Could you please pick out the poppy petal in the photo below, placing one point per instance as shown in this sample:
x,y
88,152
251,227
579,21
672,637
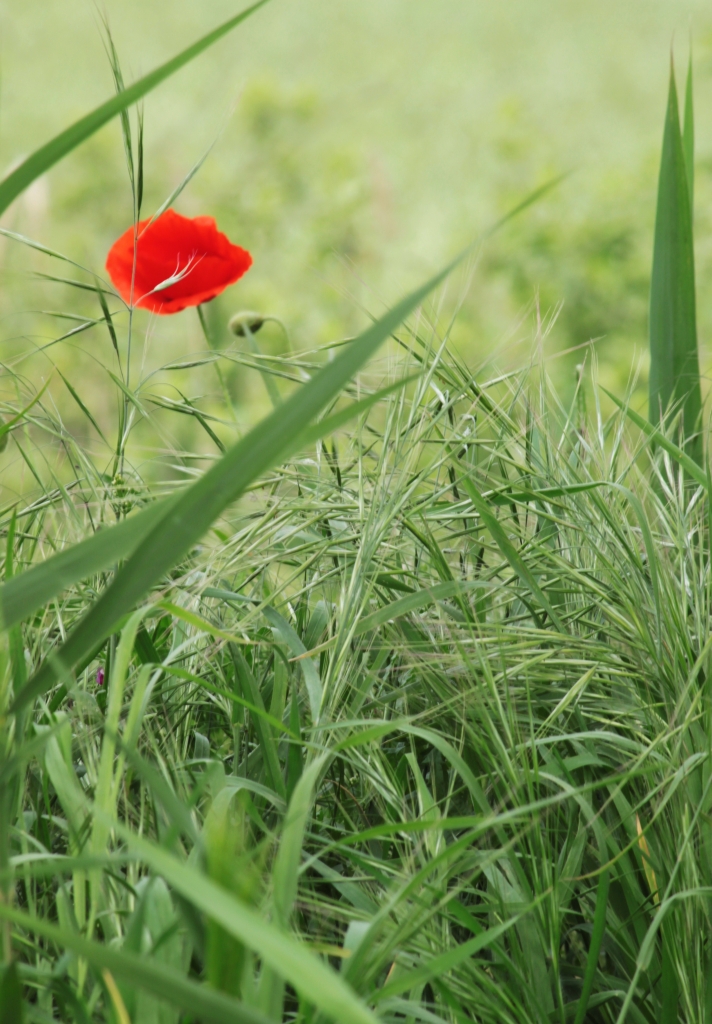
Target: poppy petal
x,y
174,262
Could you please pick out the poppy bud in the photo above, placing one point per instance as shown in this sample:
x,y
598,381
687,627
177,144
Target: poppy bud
x,y
247,322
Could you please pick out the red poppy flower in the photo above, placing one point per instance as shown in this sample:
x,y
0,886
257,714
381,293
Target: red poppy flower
x,y
180,261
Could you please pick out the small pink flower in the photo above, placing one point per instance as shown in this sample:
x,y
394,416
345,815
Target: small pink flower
x,y
100,677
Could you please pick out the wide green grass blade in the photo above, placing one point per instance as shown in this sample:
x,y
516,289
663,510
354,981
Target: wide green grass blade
x,y
11,1003
674,365
594,949
688,140
24,594
285,874
46,156
141,971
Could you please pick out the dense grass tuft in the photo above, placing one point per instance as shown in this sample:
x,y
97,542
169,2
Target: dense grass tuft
x,y
431,703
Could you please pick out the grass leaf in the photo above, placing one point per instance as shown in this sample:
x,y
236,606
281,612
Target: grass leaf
x,y
674,365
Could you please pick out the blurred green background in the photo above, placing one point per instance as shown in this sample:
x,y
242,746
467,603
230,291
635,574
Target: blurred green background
x,y
360,145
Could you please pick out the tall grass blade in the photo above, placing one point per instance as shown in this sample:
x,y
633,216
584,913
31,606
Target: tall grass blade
x,y
674,365
11,1003
661,441
594,949
509,551
688,140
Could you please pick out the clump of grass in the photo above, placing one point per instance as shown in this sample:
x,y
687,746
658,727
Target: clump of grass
x,y
416,730
423,721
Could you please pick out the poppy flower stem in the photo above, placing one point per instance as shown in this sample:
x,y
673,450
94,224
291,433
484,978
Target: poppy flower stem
x,y
218,369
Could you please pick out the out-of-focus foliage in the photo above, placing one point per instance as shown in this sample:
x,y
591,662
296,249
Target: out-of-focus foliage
x,y
358,146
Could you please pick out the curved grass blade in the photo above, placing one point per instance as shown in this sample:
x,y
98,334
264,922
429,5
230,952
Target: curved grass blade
x,y
688,140
509,551
58,147
7,426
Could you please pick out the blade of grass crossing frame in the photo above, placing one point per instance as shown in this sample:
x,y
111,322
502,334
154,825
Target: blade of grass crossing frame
x,y
670,993
313,979
11,1002
58,147
674,365
191,512
285,875
24,594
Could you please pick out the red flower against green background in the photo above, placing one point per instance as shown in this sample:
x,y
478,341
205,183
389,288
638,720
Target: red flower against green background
x,y
180,261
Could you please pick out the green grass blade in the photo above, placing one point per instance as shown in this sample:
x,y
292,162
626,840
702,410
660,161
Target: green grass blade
x,y
674,365
11,1003
141,971
287,862
46,156
688,140
509,551
24,594
337,420
290,637
415,602
440,965
594,949
251,692
670,994
7,426
661,441
21,596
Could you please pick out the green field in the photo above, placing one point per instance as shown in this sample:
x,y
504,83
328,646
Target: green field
x,y
357,669
363,144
